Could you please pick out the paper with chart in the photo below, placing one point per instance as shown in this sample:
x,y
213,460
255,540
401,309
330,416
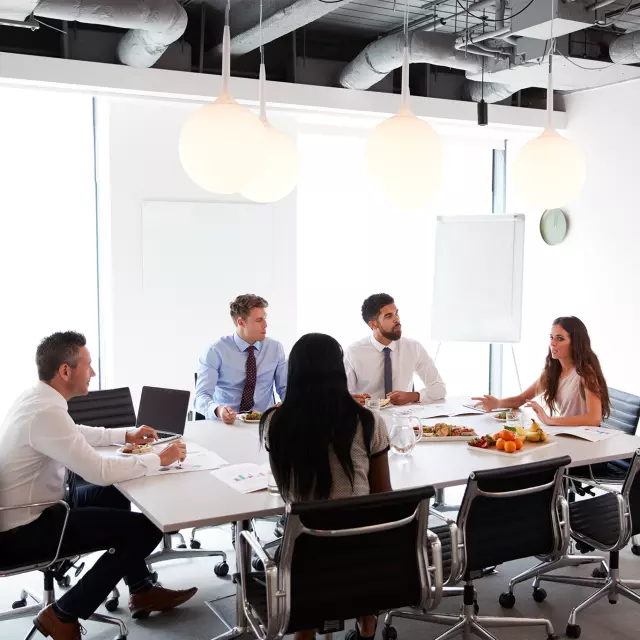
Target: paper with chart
x,y
245,477
198,459
592,434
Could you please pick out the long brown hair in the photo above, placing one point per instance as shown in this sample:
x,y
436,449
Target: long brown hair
x,y
586,363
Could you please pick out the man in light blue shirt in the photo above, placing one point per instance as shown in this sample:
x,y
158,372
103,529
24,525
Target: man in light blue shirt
x,y
238,373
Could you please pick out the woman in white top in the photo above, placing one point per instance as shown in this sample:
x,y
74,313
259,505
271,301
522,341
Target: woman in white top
x,y
572,385
321,442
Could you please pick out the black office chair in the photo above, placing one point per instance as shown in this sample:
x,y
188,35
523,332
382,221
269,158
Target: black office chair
x,y
606,522
113,408
10,565
506,514
625,416
301,589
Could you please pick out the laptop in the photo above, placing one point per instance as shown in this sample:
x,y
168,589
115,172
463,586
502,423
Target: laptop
x,y
165,410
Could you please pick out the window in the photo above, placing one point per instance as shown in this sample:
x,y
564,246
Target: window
x,y
47,229
352,244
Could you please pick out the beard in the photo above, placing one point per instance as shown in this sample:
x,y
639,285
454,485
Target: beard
x,y
392,335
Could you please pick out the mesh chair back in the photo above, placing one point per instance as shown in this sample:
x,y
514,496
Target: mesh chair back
x,y
519,518
338,578
197,416
625,412
106,408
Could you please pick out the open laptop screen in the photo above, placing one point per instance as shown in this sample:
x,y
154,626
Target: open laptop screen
x,y
163,409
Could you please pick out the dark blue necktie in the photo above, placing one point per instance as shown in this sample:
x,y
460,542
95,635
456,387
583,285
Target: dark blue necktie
x,y
388,380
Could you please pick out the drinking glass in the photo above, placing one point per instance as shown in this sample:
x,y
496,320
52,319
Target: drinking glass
x,y
513,418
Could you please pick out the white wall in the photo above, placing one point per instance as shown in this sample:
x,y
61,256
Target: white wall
x,y
594,273
138,161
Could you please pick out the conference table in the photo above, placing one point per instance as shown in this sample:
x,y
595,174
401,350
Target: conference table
x,y
197,499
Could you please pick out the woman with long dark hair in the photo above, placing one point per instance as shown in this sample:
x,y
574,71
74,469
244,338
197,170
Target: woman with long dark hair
x,y
321,442
571,384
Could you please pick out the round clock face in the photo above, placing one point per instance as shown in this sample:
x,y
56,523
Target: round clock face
x,y
553,226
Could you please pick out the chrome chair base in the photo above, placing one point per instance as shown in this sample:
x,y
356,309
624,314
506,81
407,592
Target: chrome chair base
x,y
48,598
468,623
610,587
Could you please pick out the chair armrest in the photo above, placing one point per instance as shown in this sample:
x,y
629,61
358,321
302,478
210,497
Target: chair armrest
x,y
437,587
593,483
436,514
252,541
456,547
63,504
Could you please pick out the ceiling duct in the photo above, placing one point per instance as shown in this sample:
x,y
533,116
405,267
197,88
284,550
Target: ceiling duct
x,y
153,24
381,57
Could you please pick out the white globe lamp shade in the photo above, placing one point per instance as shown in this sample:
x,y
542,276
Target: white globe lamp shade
x,y
405,157
549,171
280,169
221,146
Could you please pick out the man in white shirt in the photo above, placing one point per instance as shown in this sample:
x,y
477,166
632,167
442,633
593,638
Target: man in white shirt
x,y
39,441
383,364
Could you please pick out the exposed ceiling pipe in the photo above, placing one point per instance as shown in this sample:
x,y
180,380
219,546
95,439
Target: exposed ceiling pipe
x,y
626,48
294,16
464,41
153,24
492,92
381,57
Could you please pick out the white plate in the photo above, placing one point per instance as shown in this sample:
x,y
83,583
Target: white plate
x,y
495,417
127,453
448,438
243,417
532,448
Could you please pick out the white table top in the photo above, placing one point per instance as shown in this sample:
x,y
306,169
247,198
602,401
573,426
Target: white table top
x,y
196,499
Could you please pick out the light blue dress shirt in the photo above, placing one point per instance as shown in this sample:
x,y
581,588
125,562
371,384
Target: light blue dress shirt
x,y
222,374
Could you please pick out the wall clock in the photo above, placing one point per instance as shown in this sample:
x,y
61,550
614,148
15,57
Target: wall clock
x,y
553,226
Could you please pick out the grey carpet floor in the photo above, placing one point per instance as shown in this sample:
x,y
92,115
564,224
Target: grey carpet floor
x,y
194,621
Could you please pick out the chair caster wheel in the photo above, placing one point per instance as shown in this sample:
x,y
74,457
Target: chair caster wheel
x,y
507,600
195,544
112,604
64,582
181,546
613,602
635,549
573,631
19,604
221,569
154,577
257,564
599,572
389,633
539,595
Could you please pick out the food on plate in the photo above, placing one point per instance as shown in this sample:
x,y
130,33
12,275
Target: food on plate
x,y
253,415
507,440
510,446
137,449
442,429
384,402
502,415
483,442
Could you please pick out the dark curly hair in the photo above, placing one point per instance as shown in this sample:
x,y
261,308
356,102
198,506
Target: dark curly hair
x,y
372,305
242,305
58,349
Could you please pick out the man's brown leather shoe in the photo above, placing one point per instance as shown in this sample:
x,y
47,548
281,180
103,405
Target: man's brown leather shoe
x,y
158,599
48,624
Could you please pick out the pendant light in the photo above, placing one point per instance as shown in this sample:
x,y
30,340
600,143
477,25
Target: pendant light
x,y
280,168
404,155
549,171
221,143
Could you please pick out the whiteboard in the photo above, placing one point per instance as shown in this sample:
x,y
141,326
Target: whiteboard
x,y
196,258
477,291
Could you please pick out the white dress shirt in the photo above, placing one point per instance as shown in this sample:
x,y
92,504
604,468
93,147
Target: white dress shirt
x,y
39,441
364,363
